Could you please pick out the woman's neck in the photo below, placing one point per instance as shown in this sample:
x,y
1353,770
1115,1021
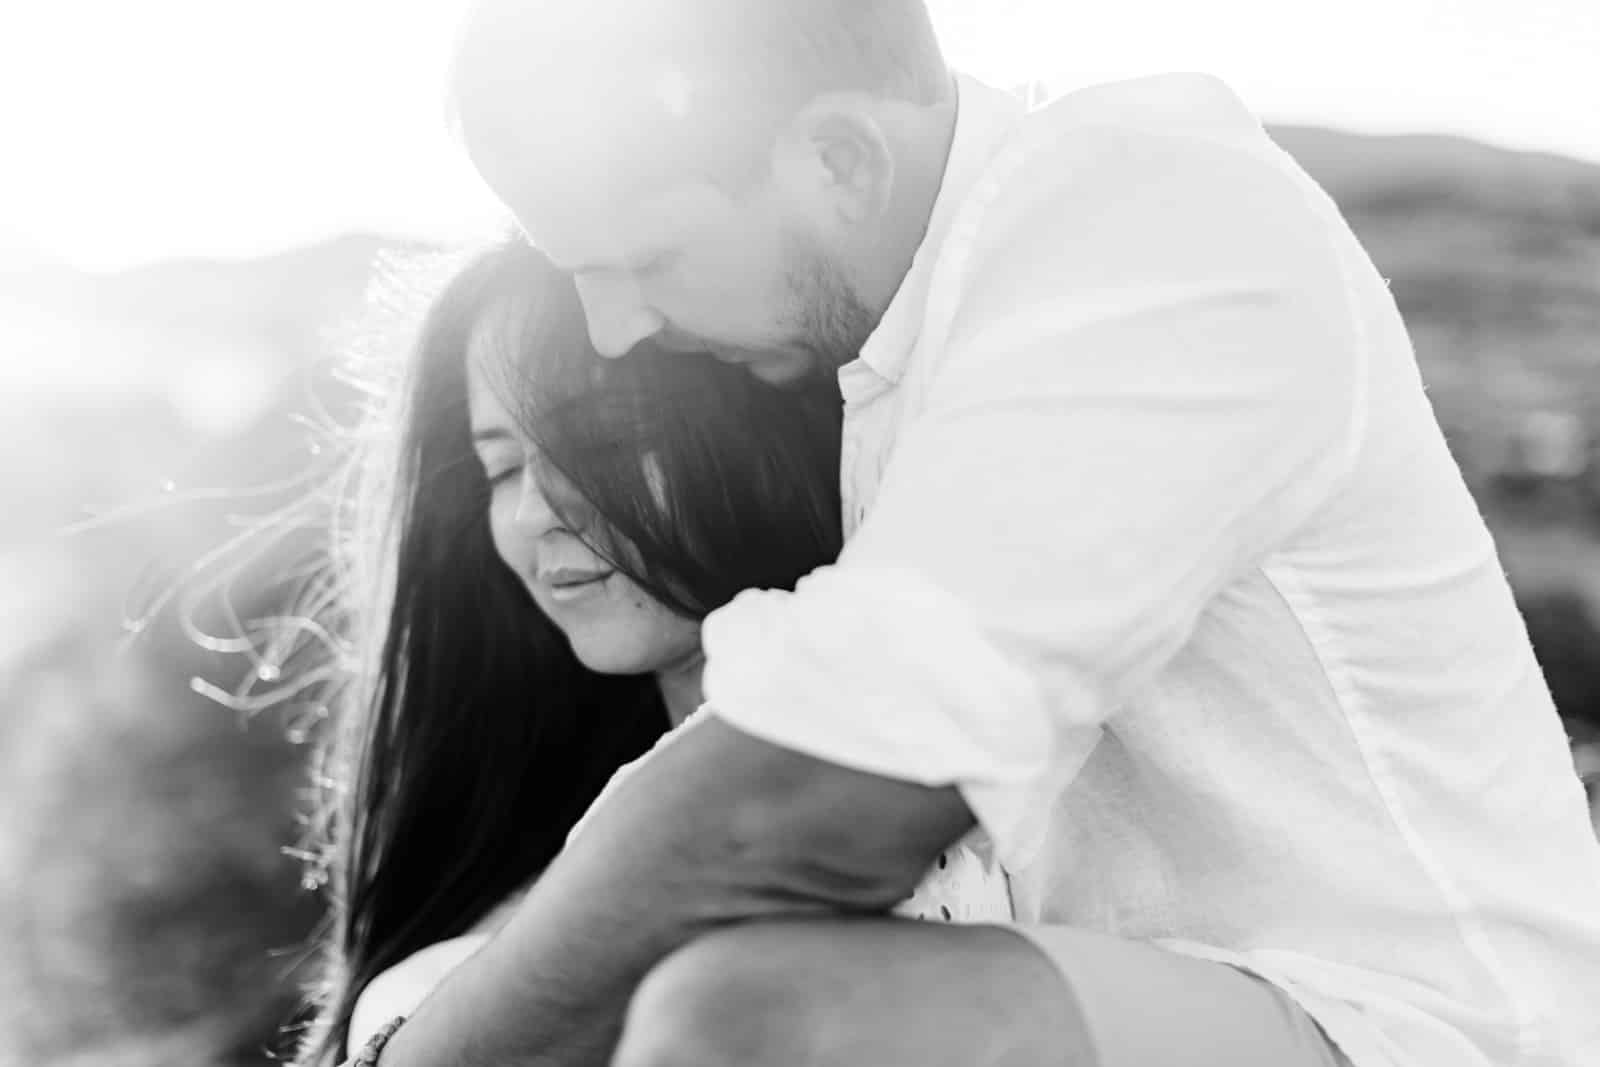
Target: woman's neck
x,y
680,687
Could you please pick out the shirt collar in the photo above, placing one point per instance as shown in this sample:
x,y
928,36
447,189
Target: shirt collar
x,y
985,117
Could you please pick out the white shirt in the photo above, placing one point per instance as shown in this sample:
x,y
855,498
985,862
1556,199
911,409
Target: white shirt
x,y
1157,552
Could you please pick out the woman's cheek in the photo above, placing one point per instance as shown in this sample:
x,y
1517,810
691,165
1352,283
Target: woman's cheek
x,y
502,531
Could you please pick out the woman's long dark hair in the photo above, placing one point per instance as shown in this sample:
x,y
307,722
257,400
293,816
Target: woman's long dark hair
x,y
463,755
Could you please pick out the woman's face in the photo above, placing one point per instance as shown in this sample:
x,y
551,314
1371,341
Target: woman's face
x,y
614,627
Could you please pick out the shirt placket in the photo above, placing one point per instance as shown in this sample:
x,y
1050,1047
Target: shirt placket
x,y
862,439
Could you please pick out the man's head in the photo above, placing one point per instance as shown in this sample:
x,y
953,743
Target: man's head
x,y
749,176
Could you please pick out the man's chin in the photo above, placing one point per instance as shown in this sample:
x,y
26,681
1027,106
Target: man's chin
x,y
785,367
782,372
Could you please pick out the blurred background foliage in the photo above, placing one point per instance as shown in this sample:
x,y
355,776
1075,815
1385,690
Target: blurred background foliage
x,y
149,911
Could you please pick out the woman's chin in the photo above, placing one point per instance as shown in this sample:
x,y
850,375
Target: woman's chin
x,y
623,631
606,658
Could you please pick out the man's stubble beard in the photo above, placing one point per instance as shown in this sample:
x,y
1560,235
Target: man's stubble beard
x,y
831,321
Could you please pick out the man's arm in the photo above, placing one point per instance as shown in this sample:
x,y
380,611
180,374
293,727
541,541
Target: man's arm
x,y
1152,380
713,828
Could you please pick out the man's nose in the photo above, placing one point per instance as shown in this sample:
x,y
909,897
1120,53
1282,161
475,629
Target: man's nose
x,y
617,315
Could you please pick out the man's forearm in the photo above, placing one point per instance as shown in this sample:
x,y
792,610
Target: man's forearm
x,y
714,828
552,986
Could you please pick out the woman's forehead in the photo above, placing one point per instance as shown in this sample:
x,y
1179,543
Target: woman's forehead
x,y
486,376
506,341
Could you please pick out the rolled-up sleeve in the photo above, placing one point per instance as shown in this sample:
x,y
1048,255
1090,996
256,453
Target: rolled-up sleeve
x,y
1152,381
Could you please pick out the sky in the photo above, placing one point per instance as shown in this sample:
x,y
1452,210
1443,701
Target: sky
x,y
136,131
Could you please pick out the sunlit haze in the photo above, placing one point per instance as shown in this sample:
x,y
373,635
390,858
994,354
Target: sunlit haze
x,y
137,131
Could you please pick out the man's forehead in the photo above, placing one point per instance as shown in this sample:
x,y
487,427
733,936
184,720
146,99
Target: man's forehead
x,y
604,169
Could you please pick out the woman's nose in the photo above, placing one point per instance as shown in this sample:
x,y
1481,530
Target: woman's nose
x,y
533,515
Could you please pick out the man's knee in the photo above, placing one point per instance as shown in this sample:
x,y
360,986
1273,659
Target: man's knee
x,y
718,1003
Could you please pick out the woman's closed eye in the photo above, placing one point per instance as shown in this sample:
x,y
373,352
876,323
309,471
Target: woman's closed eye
x,y
501,464
499,454
499,474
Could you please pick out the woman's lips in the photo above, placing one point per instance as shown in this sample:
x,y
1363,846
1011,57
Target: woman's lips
x,y
565,586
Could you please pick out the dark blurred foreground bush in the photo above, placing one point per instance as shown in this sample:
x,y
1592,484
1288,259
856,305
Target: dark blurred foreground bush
x,y
1566,639
150,913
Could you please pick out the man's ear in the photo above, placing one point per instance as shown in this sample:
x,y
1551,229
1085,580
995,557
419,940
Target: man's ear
x,y
837,153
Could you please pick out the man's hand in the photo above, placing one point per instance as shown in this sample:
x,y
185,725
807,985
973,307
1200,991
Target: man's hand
x,y
712,828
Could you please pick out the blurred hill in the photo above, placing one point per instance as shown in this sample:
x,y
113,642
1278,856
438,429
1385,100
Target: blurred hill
x,y
146,911
1494,258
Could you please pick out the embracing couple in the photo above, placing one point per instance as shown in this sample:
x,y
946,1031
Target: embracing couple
x,y
1118,674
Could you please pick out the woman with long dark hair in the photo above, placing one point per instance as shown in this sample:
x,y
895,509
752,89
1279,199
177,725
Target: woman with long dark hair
x,y
550,529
